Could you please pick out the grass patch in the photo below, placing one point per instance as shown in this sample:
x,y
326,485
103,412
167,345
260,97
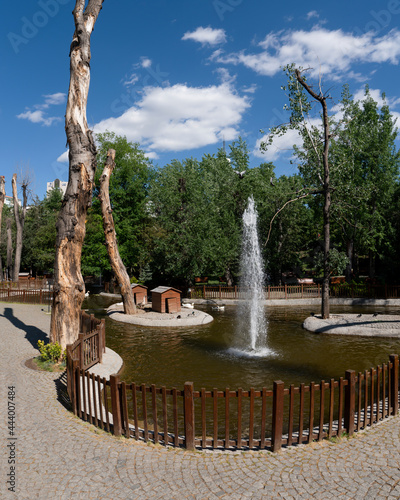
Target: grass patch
x,y
48,365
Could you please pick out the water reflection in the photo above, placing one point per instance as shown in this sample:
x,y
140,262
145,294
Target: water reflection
x,y
204,355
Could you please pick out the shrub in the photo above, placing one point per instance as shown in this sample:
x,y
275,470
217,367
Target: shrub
x,y
50,352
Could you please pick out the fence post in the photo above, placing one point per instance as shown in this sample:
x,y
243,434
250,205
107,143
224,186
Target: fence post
x,y
350,401
75,385
189,415
204,291
220,292
277,415
115,405
235,291
69,370
394,387
81,351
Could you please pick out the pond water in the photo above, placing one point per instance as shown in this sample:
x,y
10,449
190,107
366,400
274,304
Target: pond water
x,y
203,354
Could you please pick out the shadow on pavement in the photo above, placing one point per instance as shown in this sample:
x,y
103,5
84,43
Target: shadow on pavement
x,y
32,333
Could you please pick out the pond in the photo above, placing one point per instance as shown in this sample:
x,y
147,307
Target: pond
x,y
173,356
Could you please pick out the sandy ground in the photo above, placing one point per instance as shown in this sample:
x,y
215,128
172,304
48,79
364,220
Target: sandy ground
x,y
186,317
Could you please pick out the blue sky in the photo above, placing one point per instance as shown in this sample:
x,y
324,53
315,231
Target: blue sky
x,y
179,77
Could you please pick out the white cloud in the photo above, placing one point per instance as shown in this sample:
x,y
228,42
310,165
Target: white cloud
x,y
54,99
64,157
38,117
206,36
327,52
225,76
152,155
134,78
311,14
179,117
281,146
145,62
250,89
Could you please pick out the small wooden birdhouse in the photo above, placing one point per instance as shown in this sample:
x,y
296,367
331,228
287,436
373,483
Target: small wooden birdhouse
x,y
166,299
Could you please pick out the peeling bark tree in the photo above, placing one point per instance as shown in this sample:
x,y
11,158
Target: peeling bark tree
x,y
69,288
19,216
2,199
9,248
111,238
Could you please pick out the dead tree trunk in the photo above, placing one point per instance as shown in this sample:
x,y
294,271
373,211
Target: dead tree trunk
x,y
321,98
2,199
111,238
69,288
19,216
9,248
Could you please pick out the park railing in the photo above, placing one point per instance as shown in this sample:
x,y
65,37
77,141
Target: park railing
x,y
86,351
26,284
26,296
237,419
300,291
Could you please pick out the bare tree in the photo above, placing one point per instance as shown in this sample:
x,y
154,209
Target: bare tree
x,y
326,187
19,215
111,238
2,199
9,248
69,288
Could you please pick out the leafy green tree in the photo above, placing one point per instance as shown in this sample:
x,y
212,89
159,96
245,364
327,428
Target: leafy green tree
x,y
129,187
180,249
364,177
40,233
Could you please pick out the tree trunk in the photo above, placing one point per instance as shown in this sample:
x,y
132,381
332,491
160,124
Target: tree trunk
x,y
327,194
228,276
349,267
371,266
69,288
111,238
19,223
2,199
9,249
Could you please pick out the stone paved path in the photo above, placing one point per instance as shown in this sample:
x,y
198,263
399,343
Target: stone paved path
x,y
60,457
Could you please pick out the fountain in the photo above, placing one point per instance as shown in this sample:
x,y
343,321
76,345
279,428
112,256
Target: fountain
x,y
252,324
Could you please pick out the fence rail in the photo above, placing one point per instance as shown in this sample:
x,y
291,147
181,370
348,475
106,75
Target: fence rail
x,y
237,419
300,291
85,352
26,284
26,296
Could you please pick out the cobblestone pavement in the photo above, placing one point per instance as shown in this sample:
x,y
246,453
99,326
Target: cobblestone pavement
x,y
60,457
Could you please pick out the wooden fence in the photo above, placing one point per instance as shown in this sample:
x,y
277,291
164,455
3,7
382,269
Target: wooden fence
x,y
26,296
300,291
86,351
26,284
237,419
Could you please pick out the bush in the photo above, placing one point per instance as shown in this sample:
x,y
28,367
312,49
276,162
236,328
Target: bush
x,y
50,352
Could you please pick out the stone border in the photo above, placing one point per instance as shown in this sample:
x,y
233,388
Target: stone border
x,y
186,317
363,325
